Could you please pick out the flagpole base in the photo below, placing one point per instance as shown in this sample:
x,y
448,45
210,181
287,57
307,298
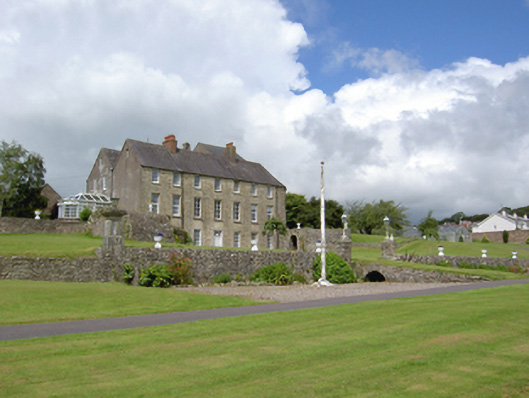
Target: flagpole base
x,y
322,282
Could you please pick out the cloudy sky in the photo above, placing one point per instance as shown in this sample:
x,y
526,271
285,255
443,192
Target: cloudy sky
x,y
421,102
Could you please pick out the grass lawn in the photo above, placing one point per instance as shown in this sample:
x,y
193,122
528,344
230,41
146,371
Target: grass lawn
x,y
33,302
470,344
368,255
469,249
66,245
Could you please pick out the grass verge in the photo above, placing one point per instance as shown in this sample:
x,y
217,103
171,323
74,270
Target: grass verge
x,y
35,302
471,344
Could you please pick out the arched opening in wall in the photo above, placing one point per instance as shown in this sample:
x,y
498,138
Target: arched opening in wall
x,y
374,276
294,242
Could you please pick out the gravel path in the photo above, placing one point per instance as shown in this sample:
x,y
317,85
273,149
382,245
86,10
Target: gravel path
x,y
293,293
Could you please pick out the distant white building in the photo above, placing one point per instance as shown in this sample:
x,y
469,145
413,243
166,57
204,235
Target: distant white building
x,y
501,222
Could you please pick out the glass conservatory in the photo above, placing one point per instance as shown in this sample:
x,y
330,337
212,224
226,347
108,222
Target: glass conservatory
x,y
71,207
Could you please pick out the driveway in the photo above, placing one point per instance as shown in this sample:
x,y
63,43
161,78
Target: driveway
x,y
16,332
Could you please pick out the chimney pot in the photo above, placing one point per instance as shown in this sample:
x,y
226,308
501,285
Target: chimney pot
x,y
171,143
231,152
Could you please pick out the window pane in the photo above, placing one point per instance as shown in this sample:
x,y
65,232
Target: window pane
x,y
217,184
254,213
197,208
197,181
236,211
176,179
176,205
218,210
155,176
154,205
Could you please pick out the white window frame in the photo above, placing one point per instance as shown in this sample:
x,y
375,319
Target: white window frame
x,y
254,213
270,241
254,189
154,205
104,183
197,237
236,239
155,177
177,179
269,212
218,184
236,186
269,192
236,211
197,208
218,210
198,182
176,205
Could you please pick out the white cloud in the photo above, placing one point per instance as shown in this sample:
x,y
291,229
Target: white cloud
x,y
86,75
373,60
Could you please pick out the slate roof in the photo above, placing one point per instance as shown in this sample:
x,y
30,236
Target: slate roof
x,y
206,164
111,154
213,150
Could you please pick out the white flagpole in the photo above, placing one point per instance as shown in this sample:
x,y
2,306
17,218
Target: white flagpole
x,y
323,279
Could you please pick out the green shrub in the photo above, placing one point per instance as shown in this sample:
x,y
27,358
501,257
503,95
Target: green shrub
x,y
239,277
278,274
85,214
337,269
296,277
180,269
181,236
485,239
128,273
461,239
444,263
505,236
155,276
222,278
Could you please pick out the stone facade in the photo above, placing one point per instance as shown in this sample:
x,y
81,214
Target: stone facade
x,y
212,193
455,260
108,266
405,274
12,225
304,239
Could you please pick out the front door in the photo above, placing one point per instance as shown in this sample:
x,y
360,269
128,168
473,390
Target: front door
x,y
217,238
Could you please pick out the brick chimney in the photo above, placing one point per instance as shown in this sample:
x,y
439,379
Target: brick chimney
x,y
230,152
171,143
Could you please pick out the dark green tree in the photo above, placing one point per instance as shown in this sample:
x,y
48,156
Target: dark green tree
x,y
428,226
308,213
368,218
21,181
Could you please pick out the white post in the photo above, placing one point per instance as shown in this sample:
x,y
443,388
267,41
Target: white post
x,y
323,279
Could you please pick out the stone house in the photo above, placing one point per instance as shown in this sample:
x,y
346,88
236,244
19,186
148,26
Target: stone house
x,y
212,193
101,178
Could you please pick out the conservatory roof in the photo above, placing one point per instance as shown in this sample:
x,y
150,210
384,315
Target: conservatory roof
x,y
88,197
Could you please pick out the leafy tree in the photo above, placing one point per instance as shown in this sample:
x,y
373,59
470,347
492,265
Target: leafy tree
x,y
308,213
454,218
21,181
274,225
295,207
428,226
368,218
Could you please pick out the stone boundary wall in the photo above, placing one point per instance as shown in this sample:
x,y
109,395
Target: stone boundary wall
x,y
15,225
410,275
519,236
82,269
108,266
455,260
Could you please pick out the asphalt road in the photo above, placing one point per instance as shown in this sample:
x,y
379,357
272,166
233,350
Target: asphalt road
x,y
16,332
